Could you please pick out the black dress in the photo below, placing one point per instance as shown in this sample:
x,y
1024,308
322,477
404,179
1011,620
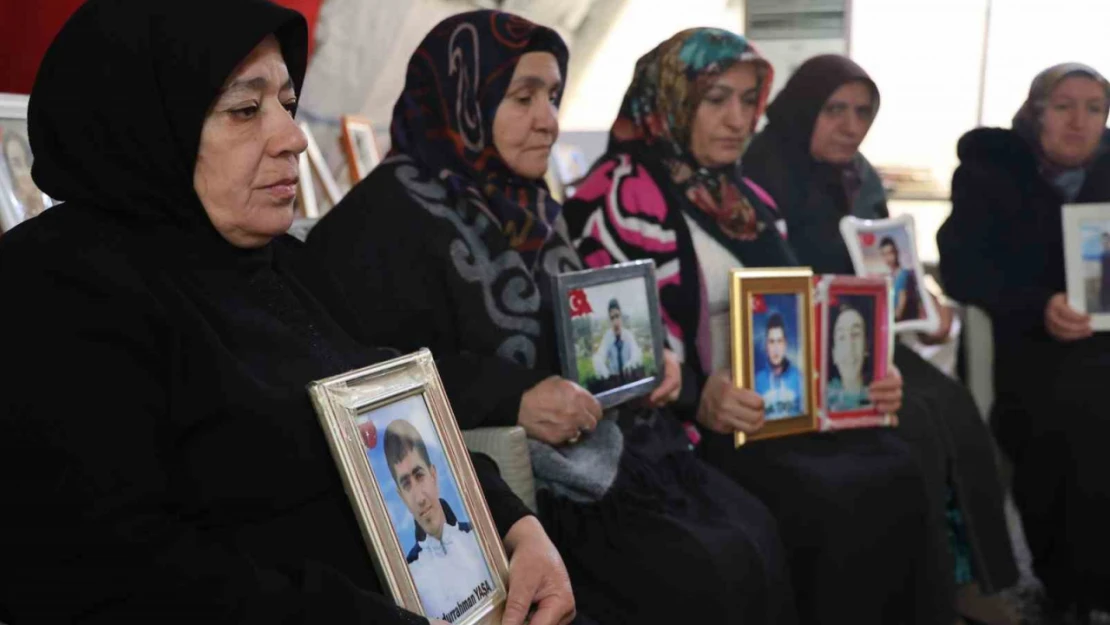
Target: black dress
x,y
671,540
159,456
1002,249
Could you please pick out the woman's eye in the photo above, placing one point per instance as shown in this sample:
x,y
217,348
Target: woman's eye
x,y
290,106
245,112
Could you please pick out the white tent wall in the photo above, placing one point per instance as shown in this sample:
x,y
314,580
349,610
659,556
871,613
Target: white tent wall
x,y
363,47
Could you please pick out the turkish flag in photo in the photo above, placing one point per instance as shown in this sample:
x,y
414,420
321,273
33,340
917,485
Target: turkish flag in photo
x,y
369,434
759,305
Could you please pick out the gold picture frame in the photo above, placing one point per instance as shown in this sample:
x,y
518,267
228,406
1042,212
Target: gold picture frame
x,y
420,447
760,301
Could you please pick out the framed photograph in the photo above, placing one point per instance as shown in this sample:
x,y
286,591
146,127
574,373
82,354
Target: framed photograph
x,y
360,147
853,329
888,247
319,167
1087,260
414,490
20,199
772,346
609,330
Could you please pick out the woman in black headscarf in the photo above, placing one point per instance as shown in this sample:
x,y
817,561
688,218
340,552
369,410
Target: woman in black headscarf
x,y
1002,249
808,159
185,477
451,243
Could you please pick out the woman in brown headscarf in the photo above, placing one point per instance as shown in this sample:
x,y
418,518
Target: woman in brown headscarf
x,y
1002,250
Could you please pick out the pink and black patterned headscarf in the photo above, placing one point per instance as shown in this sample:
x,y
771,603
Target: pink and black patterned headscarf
x,y
658,114
443,120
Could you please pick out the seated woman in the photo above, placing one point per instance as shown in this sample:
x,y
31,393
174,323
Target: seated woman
x,y
1002,249
808,159
185,479
451,243
850,504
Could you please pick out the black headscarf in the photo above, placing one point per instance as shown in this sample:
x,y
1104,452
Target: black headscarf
x,y
791,120
119,101
454,84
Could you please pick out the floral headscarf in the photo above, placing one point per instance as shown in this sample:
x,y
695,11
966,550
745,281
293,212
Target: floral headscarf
x,y
658,111
455,81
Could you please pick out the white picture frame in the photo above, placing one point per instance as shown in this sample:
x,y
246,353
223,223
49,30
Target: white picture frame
x,y
1086,227
16,186
869,241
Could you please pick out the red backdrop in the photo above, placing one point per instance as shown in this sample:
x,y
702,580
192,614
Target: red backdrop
x,y
28,26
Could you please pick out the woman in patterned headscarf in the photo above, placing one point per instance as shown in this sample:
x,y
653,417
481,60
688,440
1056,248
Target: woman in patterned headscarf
x,y
451,244
671,188
1002,249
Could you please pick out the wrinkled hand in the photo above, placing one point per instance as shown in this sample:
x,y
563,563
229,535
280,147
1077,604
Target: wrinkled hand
x,y
886,393
671,386
726,409
1063,322
944,328
537,577
557,411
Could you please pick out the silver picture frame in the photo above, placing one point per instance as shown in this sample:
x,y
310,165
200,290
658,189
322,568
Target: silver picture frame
x,y
569,286
403,389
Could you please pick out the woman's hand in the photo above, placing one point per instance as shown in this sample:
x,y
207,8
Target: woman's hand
x,y
557,411
671,386
726,409
1065,323
886,394
537,577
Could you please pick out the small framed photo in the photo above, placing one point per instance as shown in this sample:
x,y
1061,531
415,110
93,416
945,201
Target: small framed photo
x,y
853,328
20,199
360,147
1087,260
888,247
413,488
772,346
609,330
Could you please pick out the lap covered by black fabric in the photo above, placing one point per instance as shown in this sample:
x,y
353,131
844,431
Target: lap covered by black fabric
x,y
1077,559
942,424
851,510
672,542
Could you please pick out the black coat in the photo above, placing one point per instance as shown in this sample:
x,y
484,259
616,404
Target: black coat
x,y
1002,250
160,460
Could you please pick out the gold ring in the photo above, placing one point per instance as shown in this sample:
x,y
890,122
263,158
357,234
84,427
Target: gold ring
x,y
574,439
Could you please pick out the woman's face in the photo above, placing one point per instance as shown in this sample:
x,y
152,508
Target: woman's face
x,y
526,124
849,344
246,171
842,124
725,117
1073,121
